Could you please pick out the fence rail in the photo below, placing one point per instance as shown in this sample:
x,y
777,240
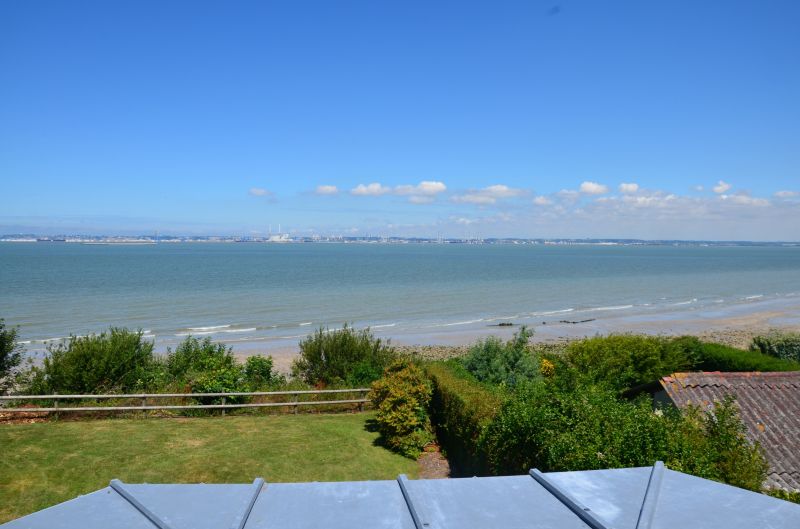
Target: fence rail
x,y
144,397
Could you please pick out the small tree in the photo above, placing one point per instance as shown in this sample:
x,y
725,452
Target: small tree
x,y
259,372
510,363
344,356
401,398
10,356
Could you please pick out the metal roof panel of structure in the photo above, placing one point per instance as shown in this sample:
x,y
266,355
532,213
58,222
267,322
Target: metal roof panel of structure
x,y
347,504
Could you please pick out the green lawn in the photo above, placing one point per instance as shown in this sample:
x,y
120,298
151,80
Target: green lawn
x,y
44,464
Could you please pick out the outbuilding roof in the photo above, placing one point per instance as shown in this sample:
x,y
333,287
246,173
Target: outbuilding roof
x,y
632,498
769,405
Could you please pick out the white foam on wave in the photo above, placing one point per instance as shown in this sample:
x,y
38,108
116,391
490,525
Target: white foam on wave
x,y
305,323
248,329
693,300
195,333
461,323
758,296
383,326
209,328
552,312
612,307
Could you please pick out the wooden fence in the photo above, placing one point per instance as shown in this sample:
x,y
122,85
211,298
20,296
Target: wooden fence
x,y
145,397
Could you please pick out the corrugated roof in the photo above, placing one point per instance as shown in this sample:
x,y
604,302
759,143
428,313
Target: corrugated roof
x,y
770,408
633,498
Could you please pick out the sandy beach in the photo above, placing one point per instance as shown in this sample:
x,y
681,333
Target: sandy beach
x,y
734,325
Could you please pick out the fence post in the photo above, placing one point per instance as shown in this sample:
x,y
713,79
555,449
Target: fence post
x,y
295,399
55,405
361,404
144,403
223,409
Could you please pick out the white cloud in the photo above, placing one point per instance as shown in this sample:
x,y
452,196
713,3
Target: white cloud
x,y
629,188
542,201
699,188
721,187
744,200
374,189
488,195
787,194
420,199
260,192
424,188
593,188
326,190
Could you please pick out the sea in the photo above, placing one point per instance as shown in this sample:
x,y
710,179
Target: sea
x,y
263,296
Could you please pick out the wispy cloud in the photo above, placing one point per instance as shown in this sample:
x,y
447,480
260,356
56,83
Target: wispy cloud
x,y
787,194
488,195
326,190
370,190
593,188
721,187
260,192
542,201
628,188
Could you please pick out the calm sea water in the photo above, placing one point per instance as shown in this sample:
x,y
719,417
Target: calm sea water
x,y
264,293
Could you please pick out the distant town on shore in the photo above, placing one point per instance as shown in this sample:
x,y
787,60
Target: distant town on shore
x,y
367,239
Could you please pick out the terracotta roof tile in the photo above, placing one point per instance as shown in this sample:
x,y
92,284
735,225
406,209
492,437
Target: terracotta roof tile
x,y
769,404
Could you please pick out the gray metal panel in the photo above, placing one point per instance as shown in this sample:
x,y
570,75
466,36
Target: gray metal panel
x,y
345,505
102,509
495,502
688,501
614,495
194,506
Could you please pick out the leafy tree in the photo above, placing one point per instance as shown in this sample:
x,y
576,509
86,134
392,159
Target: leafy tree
x,y
10,356
401,398
344,356
259,373
117,360
783,345
507,363
202,366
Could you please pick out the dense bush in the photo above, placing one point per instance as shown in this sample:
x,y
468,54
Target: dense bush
x,y
401,398
117,360
778,344
10,356
260,374
717,357
493,361
624,361
344,356
555,430
461,409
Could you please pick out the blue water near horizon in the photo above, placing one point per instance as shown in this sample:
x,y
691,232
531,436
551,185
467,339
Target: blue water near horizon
x,y
279,293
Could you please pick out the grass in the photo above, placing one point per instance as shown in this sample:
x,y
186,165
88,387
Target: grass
x,y
47,463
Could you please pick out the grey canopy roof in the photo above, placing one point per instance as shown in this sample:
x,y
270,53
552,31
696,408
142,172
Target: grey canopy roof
x,y
648,497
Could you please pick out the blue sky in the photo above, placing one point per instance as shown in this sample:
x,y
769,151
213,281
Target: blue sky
x,y
459,118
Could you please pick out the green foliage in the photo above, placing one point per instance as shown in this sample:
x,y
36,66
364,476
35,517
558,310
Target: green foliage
x,y
10,356
555,430
344,356
461,409
782,345
624,361
259,373
792,496
401,398
717,357
508,363
117,360
201,366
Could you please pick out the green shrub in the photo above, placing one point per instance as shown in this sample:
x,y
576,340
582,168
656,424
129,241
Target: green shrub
x,y
461,409
401,398
344,356
793,496
781,345
717,357
552,430
510,363
259,373
548,428
117,360
624,361
201,366
10,356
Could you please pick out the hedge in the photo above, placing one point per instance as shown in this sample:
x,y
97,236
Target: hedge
x,y
461,410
